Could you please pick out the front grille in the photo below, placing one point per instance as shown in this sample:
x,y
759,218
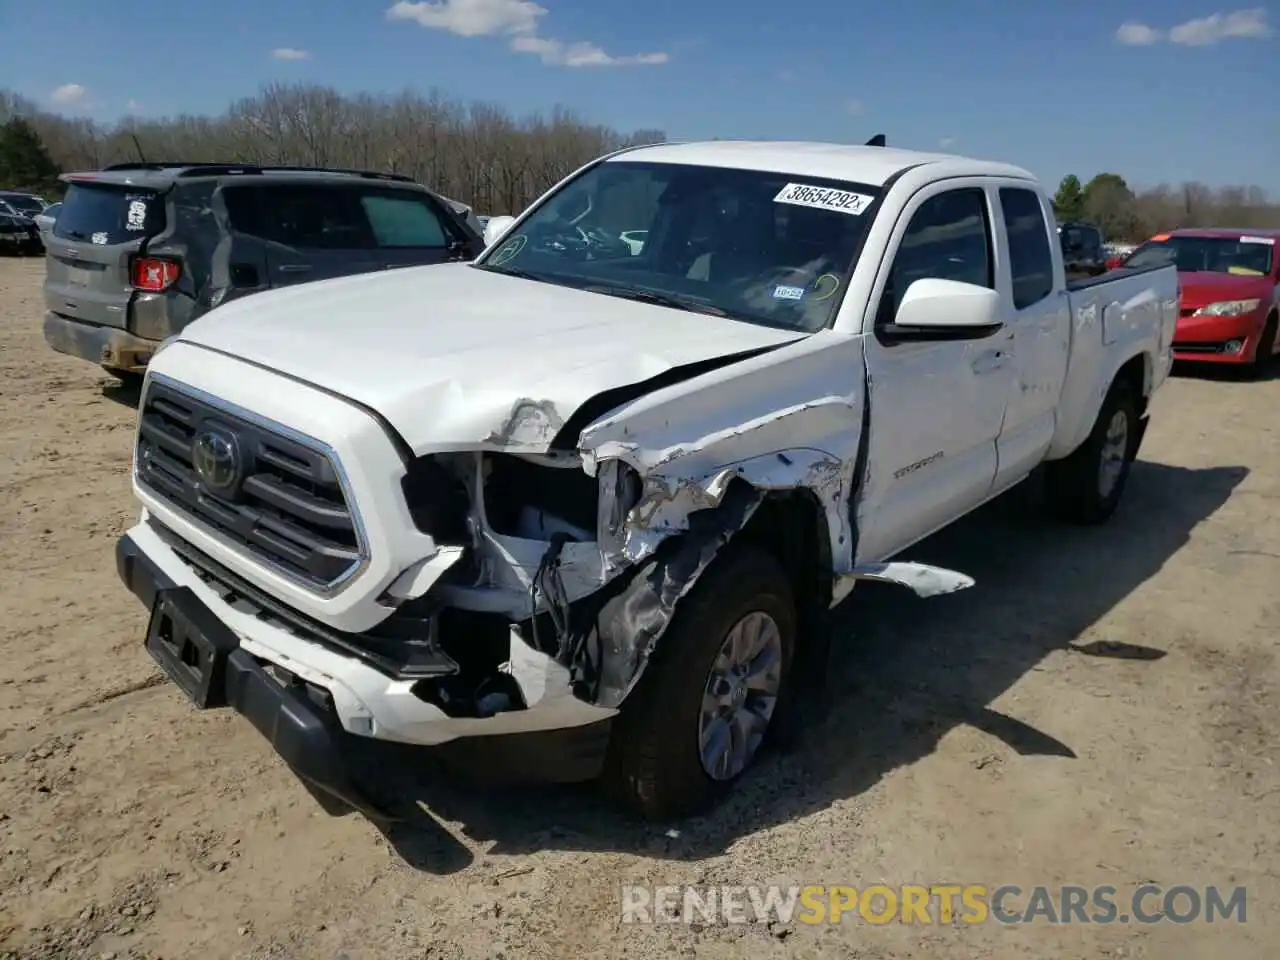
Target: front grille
x,y
281,501
1205,347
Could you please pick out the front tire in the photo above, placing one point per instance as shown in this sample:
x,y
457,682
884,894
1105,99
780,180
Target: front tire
x,y
1086,486
716,679
1262,354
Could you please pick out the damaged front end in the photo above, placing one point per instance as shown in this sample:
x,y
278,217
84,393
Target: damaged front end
x,y
550,582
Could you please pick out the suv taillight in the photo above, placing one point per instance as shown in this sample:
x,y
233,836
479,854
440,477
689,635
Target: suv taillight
x,y
155,274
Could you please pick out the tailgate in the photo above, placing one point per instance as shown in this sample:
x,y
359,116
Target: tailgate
x,y
98,231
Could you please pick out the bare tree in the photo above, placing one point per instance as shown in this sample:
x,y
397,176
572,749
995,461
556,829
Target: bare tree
x,y
478,153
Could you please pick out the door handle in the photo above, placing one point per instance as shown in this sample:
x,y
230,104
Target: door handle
x,y
295,268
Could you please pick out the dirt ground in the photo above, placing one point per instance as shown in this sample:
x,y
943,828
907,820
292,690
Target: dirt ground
x,y
1099,709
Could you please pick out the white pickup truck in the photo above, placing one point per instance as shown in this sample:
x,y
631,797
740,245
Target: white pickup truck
x,y
593,496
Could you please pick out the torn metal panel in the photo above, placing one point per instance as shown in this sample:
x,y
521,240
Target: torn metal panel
x,y
614,645
682,479
923,579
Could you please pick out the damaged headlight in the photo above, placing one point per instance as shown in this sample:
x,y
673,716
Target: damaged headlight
x,y
620,488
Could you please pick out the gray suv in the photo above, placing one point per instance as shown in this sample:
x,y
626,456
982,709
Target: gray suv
x,y
141,250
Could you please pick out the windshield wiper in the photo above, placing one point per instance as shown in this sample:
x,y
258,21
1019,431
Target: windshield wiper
x,y
510,272
672,300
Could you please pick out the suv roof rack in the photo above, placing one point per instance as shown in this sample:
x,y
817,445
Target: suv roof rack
x,y
222,168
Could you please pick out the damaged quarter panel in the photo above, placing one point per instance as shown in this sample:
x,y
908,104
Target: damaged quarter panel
x,y
788,420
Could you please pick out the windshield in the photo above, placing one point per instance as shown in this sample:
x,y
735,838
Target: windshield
x,y
23,203
1243,256
768,248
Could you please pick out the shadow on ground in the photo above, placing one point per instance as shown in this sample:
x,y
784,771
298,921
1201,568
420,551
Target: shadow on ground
x,y
905,671
127,393
1226,373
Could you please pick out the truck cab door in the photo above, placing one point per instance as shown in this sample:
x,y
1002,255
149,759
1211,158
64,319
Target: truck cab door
x,y
936,407
1038,313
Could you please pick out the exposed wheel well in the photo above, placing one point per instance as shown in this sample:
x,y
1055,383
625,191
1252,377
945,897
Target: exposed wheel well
x,y
1134,373
793,527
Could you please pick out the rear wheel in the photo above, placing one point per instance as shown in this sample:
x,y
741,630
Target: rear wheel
x,y
1262,355
707,701
1086,487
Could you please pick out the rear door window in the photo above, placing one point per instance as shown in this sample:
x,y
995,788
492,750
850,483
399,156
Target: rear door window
x,y
312,217
1030,257
337,217
106,214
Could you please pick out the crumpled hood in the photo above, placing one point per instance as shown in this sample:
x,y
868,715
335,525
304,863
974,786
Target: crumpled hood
x,y
455,357
1201,288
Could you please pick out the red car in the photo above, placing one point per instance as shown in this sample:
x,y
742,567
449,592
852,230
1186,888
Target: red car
x,y
1230,282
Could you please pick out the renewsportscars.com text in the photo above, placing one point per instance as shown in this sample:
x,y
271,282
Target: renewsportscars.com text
x,y
935,904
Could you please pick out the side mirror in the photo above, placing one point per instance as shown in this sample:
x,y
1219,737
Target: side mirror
x,y
495,228
936,309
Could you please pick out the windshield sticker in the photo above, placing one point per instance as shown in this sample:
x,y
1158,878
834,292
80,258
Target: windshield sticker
x,y
823,198
1269,241
784,292
508,250
136,218
825,287
99,238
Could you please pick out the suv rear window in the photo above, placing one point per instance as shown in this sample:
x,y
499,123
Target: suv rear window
x,y
337,217
106,214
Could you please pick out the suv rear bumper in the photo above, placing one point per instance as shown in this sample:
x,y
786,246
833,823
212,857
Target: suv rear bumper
x,y
105,346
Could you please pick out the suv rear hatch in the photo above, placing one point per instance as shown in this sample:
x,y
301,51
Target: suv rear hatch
x,y
100,230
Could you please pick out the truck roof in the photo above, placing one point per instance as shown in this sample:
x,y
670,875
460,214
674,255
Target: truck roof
x,y
836,161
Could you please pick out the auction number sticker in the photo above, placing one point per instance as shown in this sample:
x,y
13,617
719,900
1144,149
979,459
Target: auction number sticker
x,y
823,198
1269,241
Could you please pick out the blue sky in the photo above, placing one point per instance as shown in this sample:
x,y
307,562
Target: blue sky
x,y
1157,91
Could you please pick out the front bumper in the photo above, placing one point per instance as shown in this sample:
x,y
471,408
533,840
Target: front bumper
x,y
22,243
204,657
1211,339
332,698
105,346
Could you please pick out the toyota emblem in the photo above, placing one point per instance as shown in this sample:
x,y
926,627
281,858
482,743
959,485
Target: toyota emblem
x,y
216,458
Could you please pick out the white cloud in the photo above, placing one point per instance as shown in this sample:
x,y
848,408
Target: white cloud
x,y
517,19
1237,25
854,107
946,142
1137,35
133,106
472,18
290,53
1248,24
557,53
69,94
